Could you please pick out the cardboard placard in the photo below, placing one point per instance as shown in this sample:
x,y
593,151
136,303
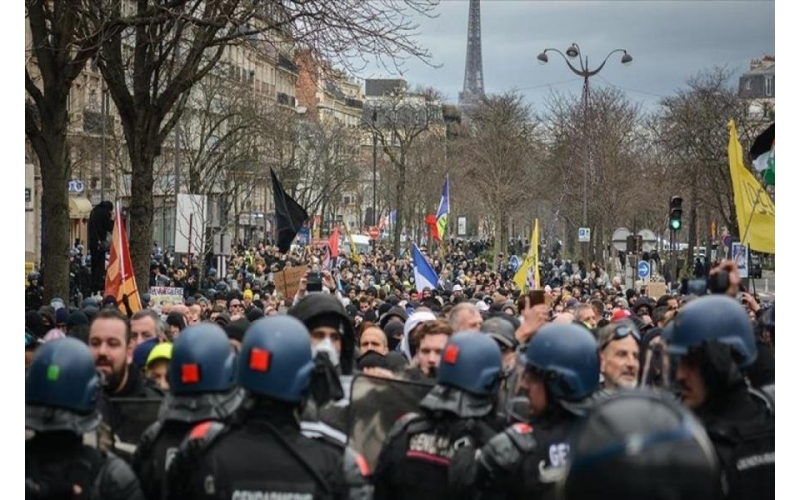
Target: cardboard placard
x,y
656,289
288,281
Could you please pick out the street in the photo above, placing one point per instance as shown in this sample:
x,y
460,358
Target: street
x,y
765,286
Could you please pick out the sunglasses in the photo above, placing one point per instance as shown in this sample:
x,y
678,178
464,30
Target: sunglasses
x,y
620,333
236,305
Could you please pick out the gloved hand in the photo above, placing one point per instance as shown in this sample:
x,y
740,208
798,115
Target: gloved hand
x,y
53,488
325,383
506,450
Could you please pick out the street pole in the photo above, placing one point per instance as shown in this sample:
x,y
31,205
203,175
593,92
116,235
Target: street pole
x,y
585,72
374,176
104,112
586,147
177,176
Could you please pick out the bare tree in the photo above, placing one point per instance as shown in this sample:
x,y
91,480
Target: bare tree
x,y
401,118
170,47
691,130
622,179
502,164
62,40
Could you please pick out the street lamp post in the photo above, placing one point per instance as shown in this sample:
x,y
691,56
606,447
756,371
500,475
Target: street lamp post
x,y
583,71
374,175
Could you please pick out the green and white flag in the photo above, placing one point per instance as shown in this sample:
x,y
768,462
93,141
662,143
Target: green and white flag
x,y
762,153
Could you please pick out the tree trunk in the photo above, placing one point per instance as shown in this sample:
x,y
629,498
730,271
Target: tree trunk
x,y
54,165
142,157
399,196
499,237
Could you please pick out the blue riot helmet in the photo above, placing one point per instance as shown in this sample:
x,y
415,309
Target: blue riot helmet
x,y
275,359
222,287
61,388
566,357
468,377
212,272
640,444
713,318
145,298
201,376
471,362
34,276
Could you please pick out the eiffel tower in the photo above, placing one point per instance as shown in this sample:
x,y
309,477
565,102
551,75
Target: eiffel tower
x,y
473,72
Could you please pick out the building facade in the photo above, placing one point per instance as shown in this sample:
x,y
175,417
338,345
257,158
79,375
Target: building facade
x,y
757,86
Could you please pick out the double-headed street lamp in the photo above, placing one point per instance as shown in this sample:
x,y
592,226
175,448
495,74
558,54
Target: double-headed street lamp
x,y
583,70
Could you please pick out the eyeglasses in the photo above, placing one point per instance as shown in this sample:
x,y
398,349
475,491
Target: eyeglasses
x,y
236,305
620,333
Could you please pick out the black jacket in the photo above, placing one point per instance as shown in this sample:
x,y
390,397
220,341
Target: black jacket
x,y
265,453
414,463
56,461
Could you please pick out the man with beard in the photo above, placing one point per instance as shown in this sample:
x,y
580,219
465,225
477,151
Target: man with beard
x,y
619,354
110,343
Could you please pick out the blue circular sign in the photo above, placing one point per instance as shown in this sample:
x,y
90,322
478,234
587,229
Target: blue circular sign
x,y
644,269
515,263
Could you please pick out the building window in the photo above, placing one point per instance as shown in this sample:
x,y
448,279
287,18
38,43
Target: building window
x,y
768,85
748,84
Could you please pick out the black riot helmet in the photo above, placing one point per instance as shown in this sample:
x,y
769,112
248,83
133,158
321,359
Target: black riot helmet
x,y
640,444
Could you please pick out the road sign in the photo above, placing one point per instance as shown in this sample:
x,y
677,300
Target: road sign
x,y
648,240
514,262
584,234
374,232
620,238
644,269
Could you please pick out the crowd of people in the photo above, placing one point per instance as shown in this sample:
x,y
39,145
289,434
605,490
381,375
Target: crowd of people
x,y
581,389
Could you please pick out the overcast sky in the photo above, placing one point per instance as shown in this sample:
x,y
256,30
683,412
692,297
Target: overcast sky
x,y
669,41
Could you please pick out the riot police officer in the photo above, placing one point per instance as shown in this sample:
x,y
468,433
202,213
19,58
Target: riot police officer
x,y
458,412
202,387
560,377
638,445
263,453
710,342
34,293
323,418
61,391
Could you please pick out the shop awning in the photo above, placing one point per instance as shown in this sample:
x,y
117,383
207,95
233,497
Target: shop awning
x,y
79,207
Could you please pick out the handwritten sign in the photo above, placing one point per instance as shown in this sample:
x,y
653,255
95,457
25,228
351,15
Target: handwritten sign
x,y
288,280
159,294
656,289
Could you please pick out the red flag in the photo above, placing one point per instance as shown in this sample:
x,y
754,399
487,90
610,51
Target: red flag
x,y
333,243
430,220
120,281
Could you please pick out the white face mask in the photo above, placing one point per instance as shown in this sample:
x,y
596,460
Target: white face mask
x,y
327,347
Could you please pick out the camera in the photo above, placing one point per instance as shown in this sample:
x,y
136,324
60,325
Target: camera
x,y
314,282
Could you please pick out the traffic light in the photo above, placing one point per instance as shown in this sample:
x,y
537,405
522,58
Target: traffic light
x,y
675,213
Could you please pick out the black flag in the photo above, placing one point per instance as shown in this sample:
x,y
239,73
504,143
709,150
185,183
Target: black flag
x,y
763,143
289,215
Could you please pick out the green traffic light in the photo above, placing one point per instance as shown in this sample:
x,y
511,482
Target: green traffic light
x,y
675,224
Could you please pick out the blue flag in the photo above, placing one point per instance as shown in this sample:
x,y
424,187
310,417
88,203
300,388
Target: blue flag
x,y
424,274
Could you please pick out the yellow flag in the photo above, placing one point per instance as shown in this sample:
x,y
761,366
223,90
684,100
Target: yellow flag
x,y
527,277
755,212
354,255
